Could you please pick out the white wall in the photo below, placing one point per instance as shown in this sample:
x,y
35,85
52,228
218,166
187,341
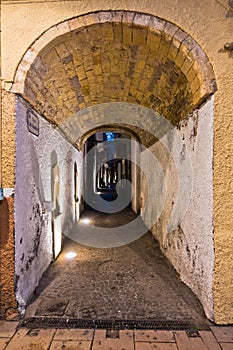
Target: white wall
x,y
35,157
189,244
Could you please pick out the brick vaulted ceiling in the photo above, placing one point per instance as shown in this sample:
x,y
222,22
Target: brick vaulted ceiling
x,y
115,57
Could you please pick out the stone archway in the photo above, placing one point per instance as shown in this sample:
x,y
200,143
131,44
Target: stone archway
x,y
71,63
119,56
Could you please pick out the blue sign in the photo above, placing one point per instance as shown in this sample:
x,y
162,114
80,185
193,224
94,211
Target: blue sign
x,y
32,123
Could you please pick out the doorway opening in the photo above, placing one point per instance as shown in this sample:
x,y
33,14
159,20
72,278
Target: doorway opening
x,y
57,235
109,172
185,84
76,197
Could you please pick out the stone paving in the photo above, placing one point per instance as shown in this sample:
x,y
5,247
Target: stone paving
x,y
11,338
134,281
130,282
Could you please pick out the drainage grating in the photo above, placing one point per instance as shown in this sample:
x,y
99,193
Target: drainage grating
x,y
52,322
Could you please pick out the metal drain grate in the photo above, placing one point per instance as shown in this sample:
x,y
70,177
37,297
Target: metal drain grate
x,y
52,322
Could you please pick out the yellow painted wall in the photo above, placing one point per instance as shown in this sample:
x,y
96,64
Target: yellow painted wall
x,y
8,303
210,23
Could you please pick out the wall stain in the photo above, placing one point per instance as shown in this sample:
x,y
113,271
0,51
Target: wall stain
x,y
17,277
230,11
193,133
188,251
180,234
37,214
194,257
29,261
182,153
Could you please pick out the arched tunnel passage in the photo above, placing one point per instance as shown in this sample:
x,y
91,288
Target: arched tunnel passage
x,y
146,65
142,280
107,168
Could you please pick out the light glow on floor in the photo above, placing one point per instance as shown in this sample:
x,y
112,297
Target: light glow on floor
x,y
86,221
70,255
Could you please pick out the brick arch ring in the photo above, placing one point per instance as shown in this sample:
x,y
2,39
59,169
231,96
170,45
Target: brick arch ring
x,y
180,48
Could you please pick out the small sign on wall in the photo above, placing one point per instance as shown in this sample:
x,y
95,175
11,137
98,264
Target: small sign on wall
x,y
32,123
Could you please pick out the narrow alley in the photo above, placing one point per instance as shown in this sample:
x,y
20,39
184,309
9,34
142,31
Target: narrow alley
x,y
134,281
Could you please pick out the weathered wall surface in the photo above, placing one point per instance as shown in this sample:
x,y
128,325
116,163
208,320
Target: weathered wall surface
x,y
204,26
188,240
8,139
33,215
210,24
223,189
8,304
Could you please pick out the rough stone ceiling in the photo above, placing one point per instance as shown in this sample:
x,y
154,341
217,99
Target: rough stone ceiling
x,y
99,64
131,58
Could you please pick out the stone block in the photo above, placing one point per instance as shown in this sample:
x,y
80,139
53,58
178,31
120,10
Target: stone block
x,y
209,339
117,16
3,343
190,75
226,346
128,18
7,329
223,334
105,16
157,346
63,28
141,20
107,32
118,32
90,19
139,36
169,30
186,66
62,51
25,339
195,84
75,23
127,35
156,25
154,336
74,334
181,55
164,46
153,41
70,345
125,341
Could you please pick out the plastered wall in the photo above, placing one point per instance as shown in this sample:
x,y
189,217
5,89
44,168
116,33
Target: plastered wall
x,y
188,240
8,303
8,139
210,24
36,156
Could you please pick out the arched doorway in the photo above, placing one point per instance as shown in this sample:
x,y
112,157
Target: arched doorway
x,y
109,170
76,193
57,238
155,66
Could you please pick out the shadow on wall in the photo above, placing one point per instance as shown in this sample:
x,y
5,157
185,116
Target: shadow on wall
x,y
36,173
4,223
68,218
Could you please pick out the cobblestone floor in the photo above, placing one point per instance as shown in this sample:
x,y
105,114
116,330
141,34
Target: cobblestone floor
x,y
218,338
134,281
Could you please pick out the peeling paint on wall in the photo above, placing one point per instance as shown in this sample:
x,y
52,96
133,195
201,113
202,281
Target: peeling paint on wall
x,y
33,216
189,247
